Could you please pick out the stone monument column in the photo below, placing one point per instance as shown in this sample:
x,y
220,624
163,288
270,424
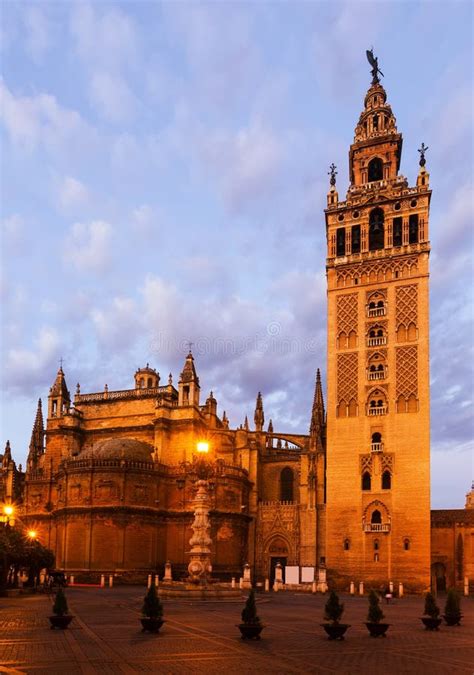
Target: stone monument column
x,y
200,567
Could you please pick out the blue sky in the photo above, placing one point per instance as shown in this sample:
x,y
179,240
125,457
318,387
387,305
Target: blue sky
x,y
164,175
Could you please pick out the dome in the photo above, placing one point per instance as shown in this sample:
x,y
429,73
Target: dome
x,y
120,448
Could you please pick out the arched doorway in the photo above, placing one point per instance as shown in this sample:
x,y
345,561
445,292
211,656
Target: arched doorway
x,y
438,577
277,553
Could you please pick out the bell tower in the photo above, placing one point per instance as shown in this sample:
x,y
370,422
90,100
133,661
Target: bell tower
x,y
378,445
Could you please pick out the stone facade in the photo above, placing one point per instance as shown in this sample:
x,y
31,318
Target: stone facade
x,y
110,483
378,506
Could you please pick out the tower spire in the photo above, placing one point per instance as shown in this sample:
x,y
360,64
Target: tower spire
x,y
317,414
37,438
7,456
259,416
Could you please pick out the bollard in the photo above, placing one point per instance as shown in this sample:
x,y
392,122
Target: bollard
x,y
157,580
352,588
466,586
71,580
247,576
102,580
232,583
148,583
111,580
276,586
267,585
314,587
241,583
361,588
168,572
390,587
400,590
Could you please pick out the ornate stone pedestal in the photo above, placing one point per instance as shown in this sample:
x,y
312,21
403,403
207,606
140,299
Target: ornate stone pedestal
x,y
200,567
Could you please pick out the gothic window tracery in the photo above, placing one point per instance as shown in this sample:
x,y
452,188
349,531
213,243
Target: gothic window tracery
x,y
377,403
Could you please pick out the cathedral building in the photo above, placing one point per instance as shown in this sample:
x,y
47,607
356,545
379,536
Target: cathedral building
x,y
110,482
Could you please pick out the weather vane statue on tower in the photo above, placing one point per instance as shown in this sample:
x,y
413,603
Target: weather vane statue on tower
x,y
374,62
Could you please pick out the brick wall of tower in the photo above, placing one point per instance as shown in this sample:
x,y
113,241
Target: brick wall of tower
x,y
378,374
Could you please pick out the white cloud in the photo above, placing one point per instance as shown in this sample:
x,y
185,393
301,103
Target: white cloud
x,y
247,161
72,193
112,97
31,121
87,246
27,367
144,220
38,32
104,36
119,326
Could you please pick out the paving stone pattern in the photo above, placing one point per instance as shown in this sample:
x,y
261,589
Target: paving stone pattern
x,y
105,637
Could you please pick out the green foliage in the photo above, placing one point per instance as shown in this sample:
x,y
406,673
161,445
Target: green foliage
x,y
431,608
60,607
249,612
152,607
452,607
375,614
333,609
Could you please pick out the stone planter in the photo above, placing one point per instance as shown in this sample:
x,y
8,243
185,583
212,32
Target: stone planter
x,y
431,622
377,629
453,619
250,631
335,631
61,622
151,625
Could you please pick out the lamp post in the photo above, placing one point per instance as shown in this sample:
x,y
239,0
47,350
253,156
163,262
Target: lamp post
x,y
200,567
8,515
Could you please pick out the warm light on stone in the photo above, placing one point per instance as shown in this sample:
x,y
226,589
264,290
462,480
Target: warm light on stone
x,y
202,446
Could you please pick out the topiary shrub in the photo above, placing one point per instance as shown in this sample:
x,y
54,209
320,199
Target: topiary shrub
x,y
431,608
60,607
375,614
249,612
452,608
152,607
333,609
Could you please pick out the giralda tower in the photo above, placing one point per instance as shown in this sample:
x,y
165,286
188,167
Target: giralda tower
x,y
378,443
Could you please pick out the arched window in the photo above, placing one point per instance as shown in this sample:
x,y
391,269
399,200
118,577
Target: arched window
x,y
142,383
286,485
366,481
406,544
413,228
376,545
376,437
150,383
375,169
347,544
376,517
386,480
376,229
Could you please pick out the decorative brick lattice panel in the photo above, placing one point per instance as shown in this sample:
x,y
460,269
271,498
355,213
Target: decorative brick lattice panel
x,y
347,377
386,462
366,463
407,371
347,313
406,305
383,270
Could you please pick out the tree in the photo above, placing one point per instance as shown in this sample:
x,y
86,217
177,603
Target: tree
x,y
60,607
249,612
375,613
152,607
431,608
333,609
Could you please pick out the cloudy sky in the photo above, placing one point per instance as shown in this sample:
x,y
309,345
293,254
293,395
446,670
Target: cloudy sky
x,y
164,175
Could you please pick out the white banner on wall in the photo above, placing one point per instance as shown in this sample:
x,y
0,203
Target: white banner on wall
x,y
307,575
292,574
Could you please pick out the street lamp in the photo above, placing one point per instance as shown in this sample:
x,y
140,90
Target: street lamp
x,y
202,447
8,513
32,534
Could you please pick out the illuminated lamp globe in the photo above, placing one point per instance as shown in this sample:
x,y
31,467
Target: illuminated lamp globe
x,y
202,447
32,534
8,510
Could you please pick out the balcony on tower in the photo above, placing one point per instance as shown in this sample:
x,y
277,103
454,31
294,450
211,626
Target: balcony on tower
x,y
376,444
376,337
377,403
376,527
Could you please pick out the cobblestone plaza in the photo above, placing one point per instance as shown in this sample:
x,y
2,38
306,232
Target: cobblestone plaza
x,y
105,637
